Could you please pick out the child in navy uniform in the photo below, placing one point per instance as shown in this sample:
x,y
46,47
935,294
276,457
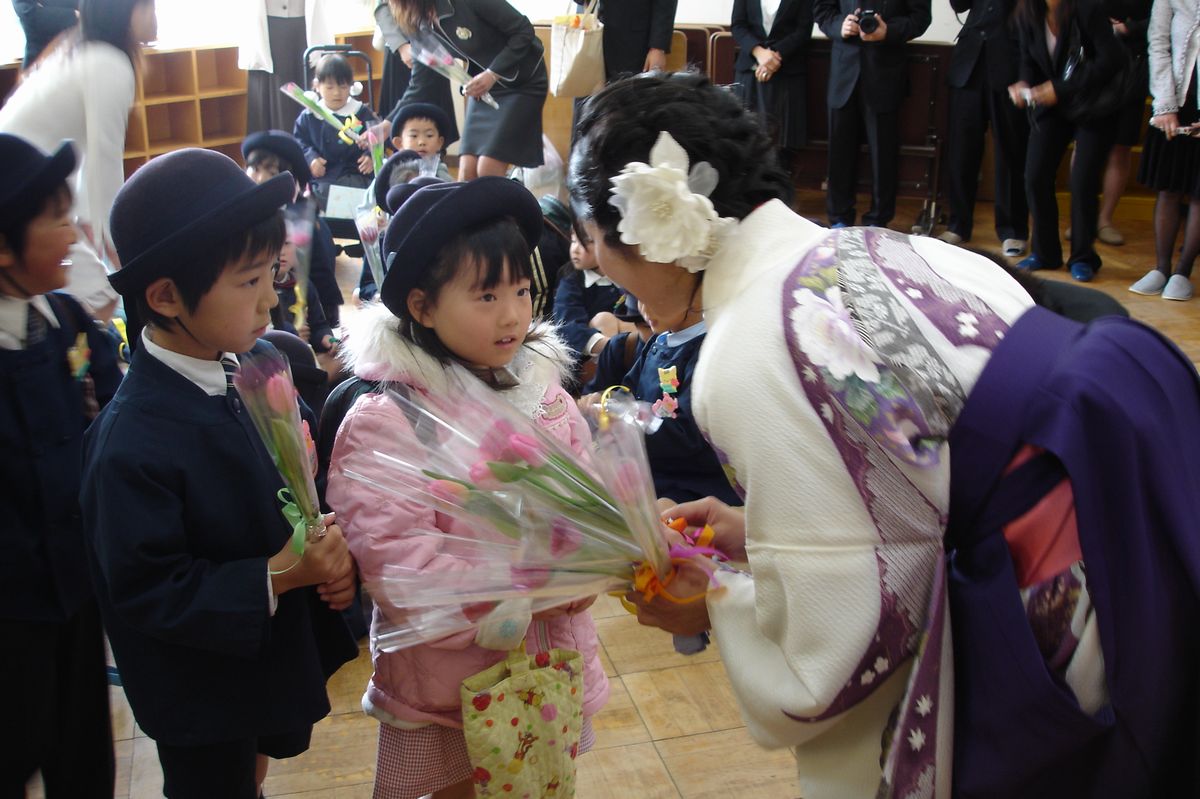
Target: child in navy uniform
x,y
51,641
267,153
682,463
330,159
223,645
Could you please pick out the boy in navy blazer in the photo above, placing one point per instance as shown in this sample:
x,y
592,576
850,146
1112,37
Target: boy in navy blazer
x,y
56,368
223,645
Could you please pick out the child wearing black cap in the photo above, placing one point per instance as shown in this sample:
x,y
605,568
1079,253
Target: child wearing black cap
x,y
421,127
267,153
223,644
331,159
456,295
56,368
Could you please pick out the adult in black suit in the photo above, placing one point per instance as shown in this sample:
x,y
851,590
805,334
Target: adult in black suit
x,y
637,35
868,79
770,67
982,67
1060,117
42,20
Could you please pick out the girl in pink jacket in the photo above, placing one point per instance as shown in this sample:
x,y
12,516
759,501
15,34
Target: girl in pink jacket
x,y
457,292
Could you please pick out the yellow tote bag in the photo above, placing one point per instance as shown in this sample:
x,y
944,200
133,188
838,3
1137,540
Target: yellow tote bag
x,y
522,720
577,53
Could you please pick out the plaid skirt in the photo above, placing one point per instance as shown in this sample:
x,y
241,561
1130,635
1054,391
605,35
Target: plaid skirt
x,y
413,763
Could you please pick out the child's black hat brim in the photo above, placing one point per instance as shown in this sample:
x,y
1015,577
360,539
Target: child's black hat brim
x,y
283,145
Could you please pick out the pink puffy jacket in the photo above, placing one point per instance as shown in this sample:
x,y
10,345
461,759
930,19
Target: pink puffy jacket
x,y
421,684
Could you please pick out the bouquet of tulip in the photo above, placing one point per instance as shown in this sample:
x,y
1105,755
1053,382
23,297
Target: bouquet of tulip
x,y
520,517
348,131
376,139
296,255
264,382
429,50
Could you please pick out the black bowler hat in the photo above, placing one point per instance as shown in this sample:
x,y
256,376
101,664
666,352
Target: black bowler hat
x,y
285,147
29,175
180,202
398,194
384,176
435,214
421,111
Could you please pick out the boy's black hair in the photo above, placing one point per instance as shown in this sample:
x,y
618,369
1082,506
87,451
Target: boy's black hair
x,y
205,266
267,159
497,251
14,228
336,68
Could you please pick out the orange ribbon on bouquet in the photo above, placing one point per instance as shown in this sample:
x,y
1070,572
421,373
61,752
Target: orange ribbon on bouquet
x,y
649,585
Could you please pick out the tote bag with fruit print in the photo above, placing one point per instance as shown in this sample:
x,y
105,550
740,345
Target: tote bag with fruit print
x,y
522,719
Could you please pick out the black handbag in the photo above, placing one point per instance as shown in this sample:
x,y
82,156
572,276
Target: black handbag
x,y
1090,105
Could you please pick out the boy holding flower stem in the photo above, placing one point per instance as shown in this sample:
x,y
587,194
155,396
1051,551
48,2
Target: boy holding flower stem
x,y
223,646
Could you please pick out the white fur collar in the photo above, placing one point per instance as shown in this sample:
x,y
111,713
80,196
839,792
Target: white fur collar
x,y
373,349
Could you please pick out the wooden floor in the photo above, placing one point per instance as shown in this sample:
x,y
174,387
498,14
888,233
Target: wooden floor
x,y
672,727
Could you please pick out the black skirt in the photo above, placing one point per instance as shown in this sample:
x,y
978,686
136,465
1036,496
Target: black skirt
x,y
781,106
1173,166
267,107
512,134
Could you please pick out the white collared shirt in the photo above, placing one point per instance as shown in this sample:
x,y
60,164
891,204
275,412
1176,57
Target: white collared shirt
x,y
208,375
677,337
593,277
769,9
14,313
285,8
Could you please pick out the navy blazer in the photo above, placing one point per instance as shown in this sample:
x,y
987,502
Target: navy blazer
x,y
882,67
789,35
683,464
988,32
575,305
491,34
181,517
319,139
43,572
631,27
1102,63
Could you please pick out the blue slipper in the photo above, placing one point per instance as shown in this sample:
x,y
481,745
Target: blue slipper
x,y
1084,271
1032,263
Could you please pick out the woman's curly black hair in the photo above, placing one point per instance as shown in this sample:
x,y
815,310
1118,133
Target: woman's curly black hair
x,y
621,123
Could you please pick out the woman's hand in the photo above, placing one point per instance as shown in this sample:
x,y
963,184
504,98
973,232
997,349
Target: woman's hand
x,y
1044,94
365,164
406,55
656,59
1119,27
1019,93
1167,123
688,618
728,524
480,85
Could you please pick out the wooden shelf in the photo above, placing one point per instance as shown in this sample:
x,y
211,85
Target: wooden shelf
x,y
223,118
217,72
172,126
168,76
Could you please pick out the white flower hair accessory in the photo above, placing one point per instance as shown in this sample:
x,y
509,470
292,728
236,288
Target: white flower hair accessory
x,y
665,208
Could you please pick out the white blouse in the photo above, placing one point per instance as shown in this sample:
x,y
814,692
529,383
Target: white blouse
x,y
769,9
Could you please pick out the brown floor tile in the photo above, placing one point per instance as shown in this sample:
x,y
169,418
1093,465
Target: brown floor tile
x,y
685,700
719,765
342,755
123,725
607,607
619,722
624,772
633,647
145,774
346,687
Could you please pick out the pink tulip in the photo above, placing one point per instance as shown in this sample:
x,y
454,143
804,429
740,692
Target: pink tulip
x,y
495,445
280,394
448,491
527,449
629,484
528,578
481,475
565,538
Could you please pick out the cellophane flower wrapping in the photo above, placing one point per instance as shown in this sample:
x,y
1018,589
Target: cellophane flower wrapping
x,y
264,382
430,51
521,519
300,221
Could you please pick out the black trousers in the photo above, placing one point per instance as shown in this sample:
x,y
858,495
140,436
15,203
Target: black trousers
x,y
225,770
973,109
56,698
846,126
1048,140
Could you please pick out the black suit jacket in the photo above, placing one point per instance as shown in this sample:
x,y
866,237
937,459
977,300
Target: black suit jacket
x,y
789,35
882,66
1102,49
491,34
631,27
42,20
990,32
